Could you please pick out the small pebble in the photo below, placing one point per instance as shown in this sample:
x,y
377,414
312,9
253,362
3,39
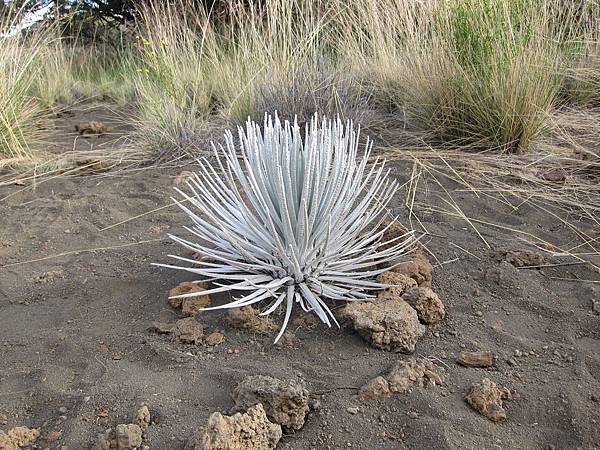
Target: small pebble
x,y
314,405
62,410
352,409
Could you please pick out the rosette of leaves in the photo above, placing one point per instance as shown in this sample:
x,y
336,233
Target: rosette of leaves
x,y
290,218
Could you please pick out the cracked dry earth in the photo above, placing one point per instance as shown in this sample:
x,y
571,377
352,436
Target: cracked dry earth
x,y
77,354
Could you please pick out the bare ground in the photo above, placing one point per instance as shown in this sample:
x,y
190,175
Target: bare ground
x,y
74,326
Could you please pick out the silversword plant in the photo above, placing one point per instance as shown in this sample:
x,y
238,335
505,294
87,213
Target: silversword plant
x,y
290,220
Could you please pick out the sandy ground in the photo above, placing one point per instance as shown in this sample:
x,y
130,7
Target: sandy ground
x,y
76,355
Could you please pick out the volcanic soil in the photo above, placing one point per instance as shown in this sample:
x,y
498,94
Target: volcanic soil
x,y
78,295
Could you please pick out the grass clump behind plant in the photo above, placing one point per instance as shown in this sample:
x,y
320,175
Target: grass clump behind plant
x,y
171,83
483,73
257,59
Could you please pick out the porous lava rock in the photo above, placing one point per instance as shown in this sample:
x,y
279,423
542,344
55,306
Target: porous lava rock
x,y
285,402
418,268
190,306
247,319
487,398
401,378
428,305
388,323
250,430
401,282
188,331
18,437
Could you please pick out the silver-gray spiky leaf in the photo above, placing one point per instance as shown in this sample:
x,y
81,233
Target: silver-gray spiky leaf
x,y
290,220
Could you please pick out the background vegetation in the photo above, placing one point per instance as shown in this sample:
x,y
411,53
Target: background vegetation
x,y
477,74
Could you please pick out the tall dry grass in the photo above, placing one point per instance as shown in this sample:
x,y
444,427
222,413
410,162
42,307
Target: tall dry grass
x,y
274,57
19,71
481,74
38,69
478,73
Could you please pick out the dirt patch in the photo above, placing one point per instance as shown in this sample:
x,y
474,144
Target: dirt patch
x,y
82,343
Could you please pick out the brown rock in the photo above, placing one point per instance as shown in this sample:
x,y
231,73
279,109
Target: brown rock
x,y
519,258
504,274
50,277
192,306
189,305
428,305
305,320
406,374
142,417
377,388
476,359
106,441
214,338
188,331
401,281
90,166
128,437
242,431
162,328
92,127
53,436
247,318
419,269
486,398
394,231
18,437
285,402
388,323
401,378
